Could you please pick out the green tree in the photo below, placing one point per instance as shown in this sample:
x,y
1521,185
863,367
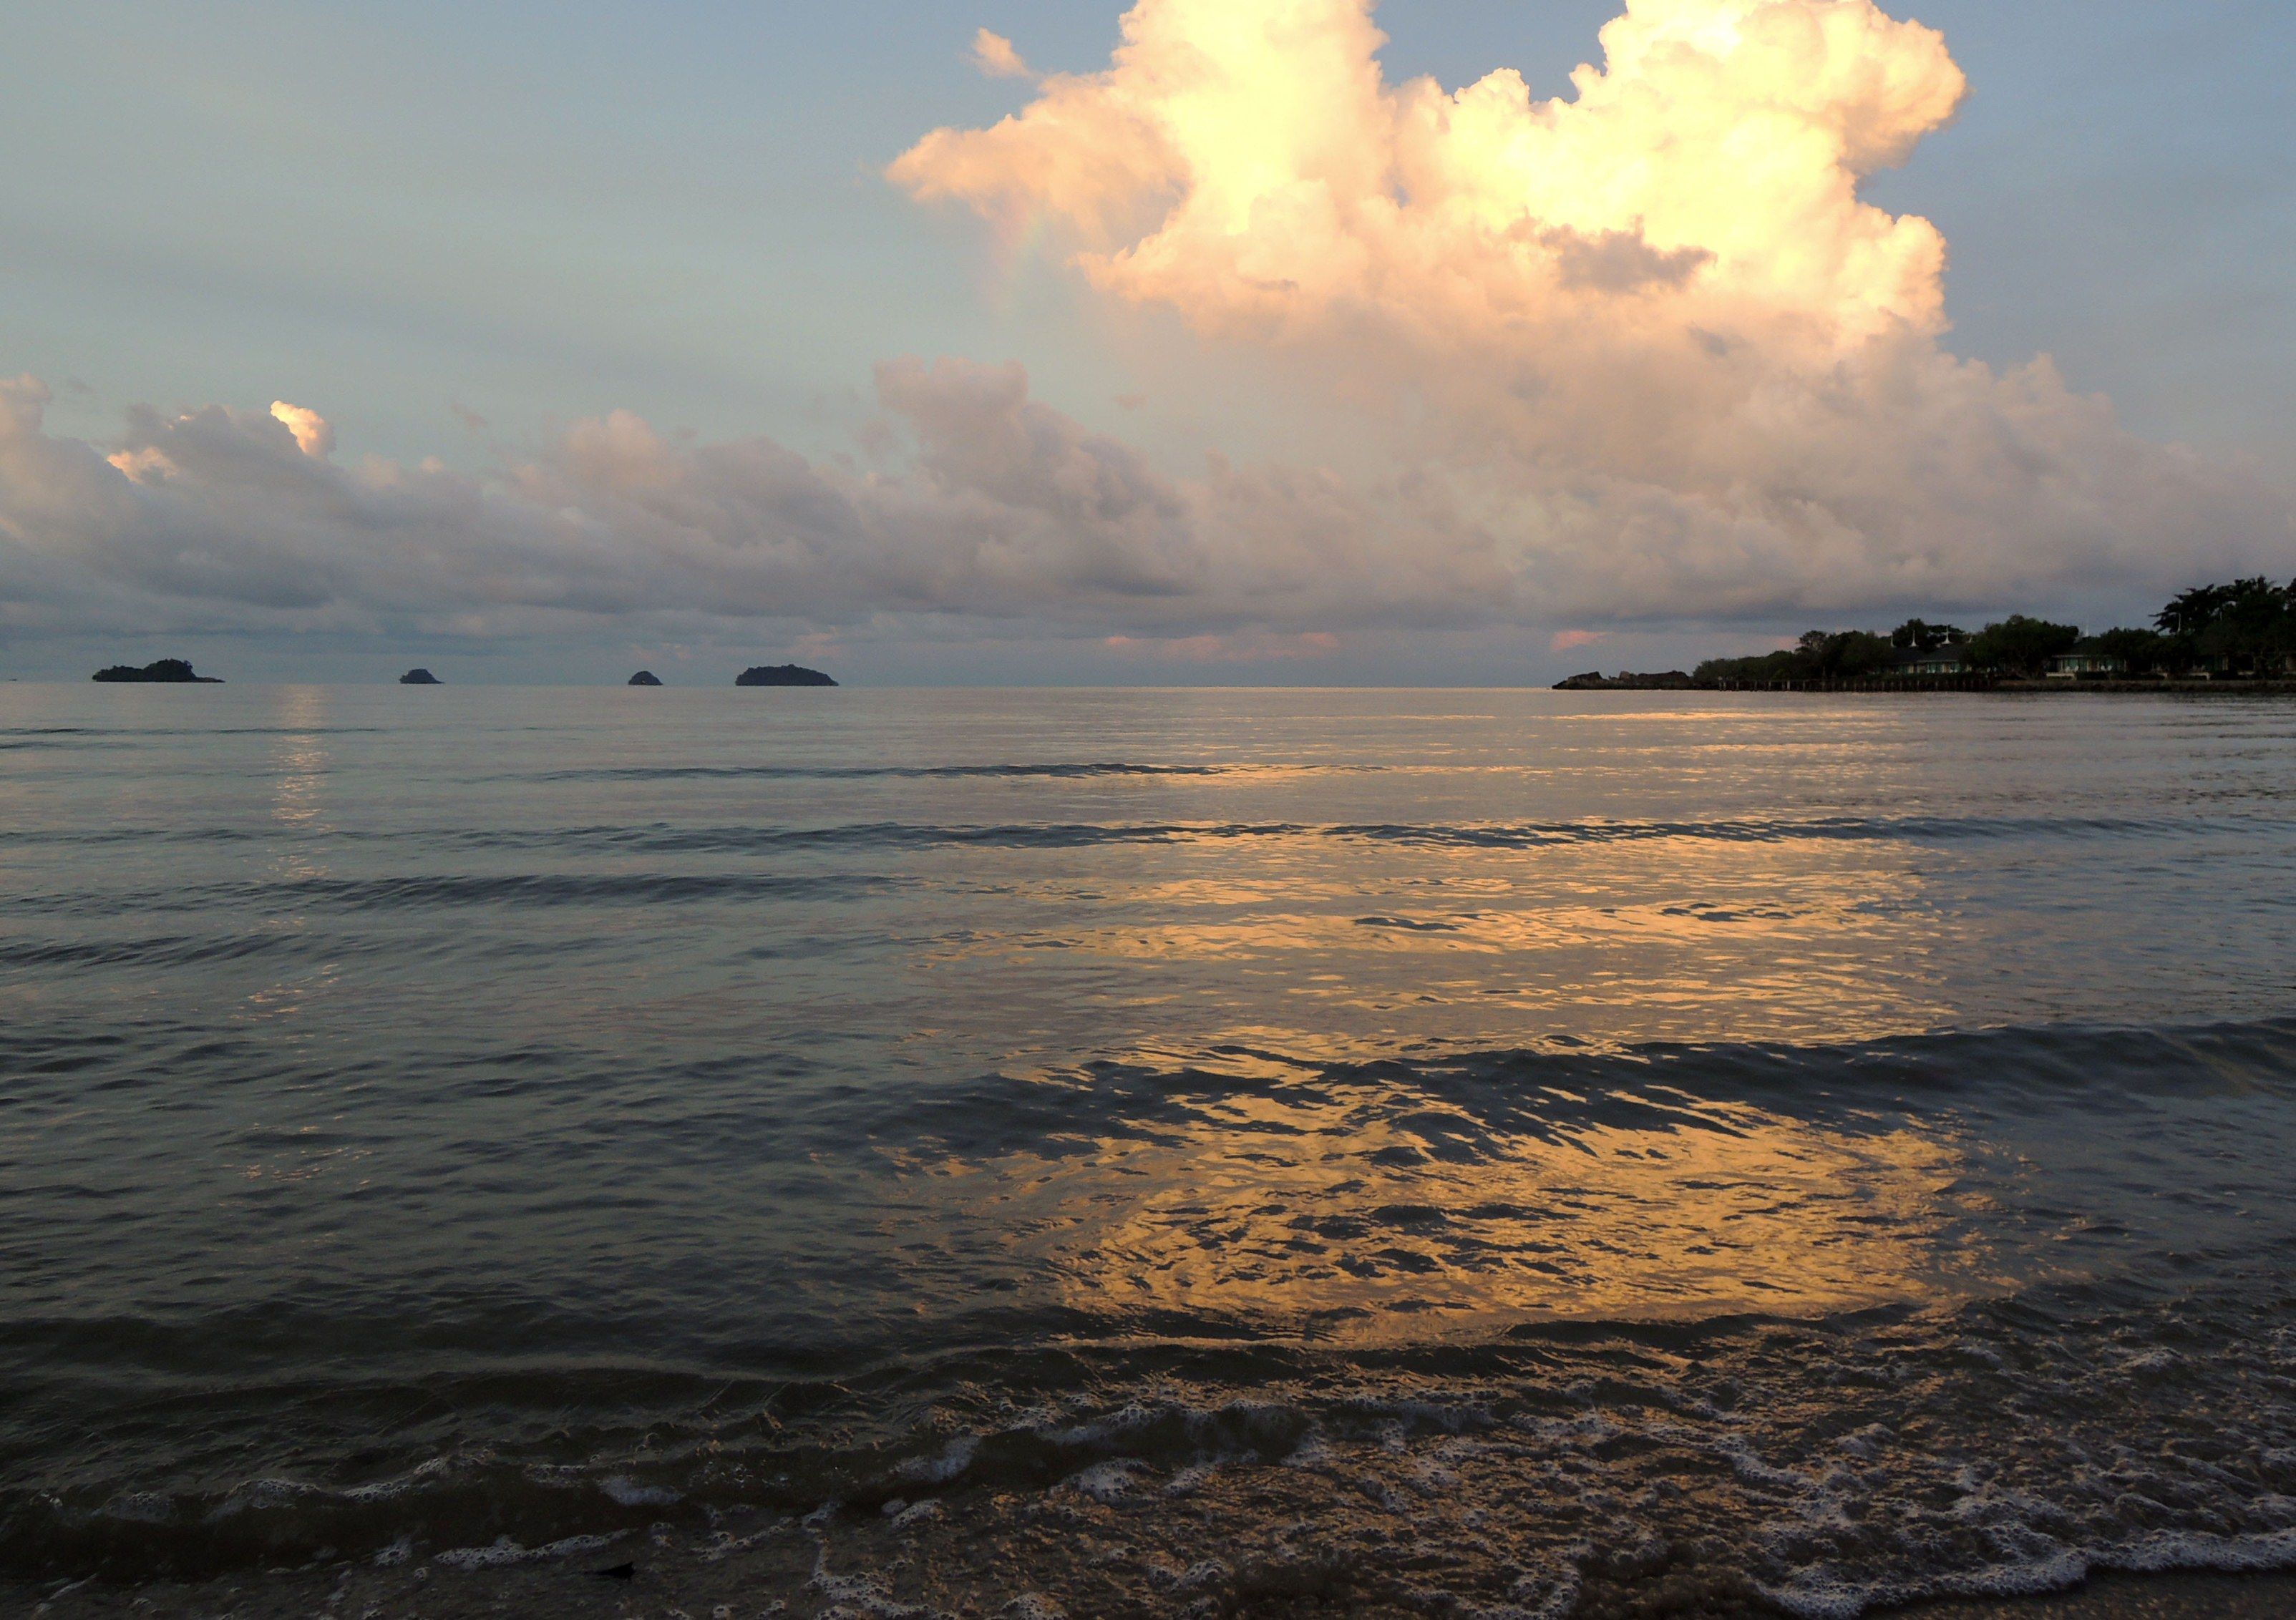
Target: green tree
x,y
1839,655
2022,646
1857,655
2248,625
1763,670
1920,636
2250,629
2142,650
2190,612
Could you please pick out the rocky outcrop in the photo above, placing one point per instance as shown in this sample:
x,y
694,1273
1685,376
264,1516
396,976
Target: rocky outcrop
x,y
420,677
646,677
782,675
166,672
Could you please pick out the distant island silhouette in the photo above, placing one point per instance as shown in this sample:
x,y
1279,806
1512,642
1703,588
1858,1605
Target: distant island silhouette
x,y
782,675
2240,636
1593,680
646,677
169,672
420,677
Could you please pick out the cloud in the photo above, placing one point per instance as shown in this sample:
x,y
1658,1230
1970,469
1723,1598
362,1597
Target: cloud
x,y
1001,509
998,507
995,56
1258,647
220,516
315,436
1270,179
1660,353
1639,353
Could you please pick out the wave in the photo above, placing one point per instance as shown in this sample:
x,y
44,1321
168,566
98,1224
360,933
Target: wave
x,y
739,839
1494,836
183,734
1830,1467
1055,771
1873,1456
165,951
635,888
418,893
1489,1102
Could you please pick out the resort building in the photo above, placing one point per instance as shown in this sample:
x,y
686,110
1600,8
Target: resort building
x,y
2073,666
1927,663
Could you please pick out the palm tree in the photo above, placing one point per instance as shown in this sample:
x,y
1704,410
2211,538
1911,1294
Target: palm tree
x,y
2192,611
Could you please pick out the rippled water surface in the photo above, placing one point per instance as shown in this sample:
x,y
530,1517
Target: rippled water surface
x,y
1852,1134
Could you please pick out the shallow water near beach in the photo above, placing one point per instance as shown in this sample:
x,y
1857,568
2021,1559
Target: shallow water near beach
x,y
1511,1151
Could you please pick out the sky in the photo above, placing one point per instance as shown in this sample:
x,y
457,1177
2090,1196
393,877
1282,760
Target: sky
x,y
1269,340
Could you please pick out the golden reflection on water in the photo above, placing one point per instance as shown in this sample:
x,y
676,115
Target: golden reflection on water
x,y
301,764
1683,939
1373,1211
302,759
1340,1210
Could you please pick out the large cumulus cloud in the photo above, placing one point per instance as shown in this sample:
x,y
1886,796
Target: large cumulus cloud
x,y
1250,164
1649,334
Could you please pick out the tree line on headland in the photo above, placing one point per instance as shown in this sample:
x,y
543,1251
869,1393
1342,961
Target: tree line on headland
x,y
2246,629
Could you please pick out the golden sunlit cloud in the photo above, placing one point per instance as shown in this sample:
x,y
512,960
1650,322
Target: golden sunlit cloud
x,y
314,434
1249,165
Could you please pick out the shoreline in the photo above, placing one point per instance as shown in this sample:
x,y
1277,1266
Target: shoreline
x,y
980,1557
1238,1545
1949,686
2183,1596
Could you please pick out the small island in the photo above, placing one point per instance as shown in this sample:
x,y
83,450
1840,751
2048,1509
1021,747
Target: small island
x,y
420,677
646,677
782,675
166,672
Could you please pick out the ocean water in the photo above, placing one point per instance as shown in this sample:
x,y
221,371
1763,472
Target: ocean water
x,y
1836,1150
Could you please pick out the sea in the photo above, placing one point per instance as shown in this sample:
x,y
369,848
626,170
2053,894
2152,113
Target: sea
x,y
1494,1151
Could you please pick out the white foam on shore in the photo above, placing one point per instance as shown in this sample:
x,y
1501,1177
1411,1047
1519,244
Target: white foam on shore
x,y
1099,1431
629,1494
866,1594
954,1459
1106,1483
2170,1552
